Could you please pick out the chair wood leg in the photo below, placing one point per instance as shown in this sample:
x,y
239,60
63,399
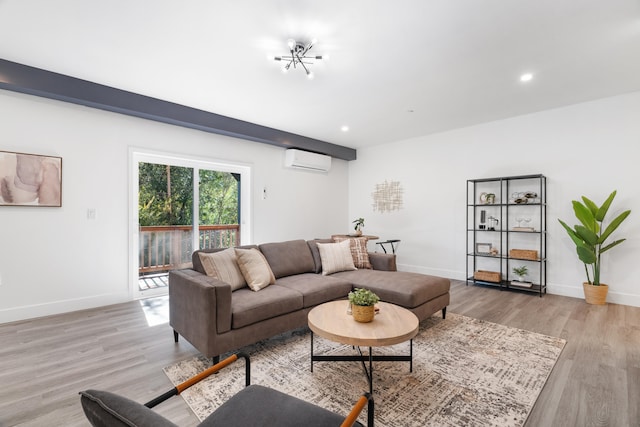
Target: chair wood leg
x,y
444,313
175,336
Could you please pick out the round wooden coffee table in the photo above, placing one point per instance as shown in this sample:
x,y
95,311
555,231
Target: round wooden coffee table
x,y
391,325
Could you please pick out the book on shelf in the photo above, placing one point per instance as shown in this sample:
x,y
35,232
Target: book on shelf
x,y
521,284
523,229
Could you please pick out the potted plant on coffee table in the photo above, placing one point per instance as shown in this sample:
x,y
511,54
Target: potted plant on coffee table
x,y
363,303
589,237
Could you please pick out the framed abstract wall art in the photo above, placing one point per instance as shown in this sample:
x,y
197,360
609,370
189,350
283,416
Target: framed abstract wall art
x,y
30,180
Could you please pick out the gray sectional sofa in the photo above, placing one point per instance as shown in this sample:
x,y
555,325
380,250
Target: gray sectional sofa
x,y
216,320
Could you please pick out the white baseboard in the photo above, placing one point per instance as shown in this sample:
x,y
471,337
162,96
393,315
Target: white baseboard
x,y
612,296
554,289
15,314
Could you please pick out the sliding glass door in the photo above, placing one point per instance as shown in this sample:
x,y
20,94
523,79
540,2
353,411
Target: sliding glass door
x,y
180,205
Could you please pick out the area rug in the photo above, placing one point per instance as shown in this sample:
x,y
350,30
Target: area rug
x,y
466,372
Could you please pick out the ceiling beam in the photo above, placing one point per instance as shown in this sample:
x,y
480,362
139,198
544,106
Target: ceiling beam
x,y
35,81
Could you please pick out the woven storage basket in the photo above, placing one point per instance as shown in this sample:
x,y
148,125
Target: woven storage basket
x,y
595,294
487,276
523,254
363,313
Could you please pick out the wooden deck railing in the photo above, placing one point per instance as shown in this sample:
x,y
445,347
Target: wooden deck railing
x,y
164,248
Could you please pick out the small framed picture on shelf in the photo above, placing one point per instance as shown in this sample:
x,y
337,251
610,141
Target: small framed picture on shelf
x,y
483,248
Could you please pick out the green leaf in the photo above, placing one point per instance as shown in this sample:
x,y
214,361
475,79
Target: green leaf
x,y
611,245
585,216
593,208
586,255
576,239
613,225
602,212
588,236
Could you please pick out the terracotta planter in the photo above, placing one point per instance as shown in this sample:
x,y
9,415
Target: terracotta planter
x,y
596,295
363,313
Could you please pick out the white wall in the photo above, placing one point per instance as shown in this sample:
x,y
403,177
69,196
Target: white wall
x,y
55,260
586,149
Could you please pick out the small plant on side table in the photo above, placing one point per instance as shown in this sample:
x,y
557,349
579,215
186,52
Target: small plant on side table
x,y
358,224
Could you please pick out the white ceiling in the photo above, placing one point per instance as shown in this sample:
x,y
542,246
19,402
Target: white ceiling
x,y
396,70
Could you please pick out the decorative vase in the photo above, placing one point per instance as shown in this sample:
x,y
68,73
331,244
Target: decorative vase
x,y
363,313
596,295
358,232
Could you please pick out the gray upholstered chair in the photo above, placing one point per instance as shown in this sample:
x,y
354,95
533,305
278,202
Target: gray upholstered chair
x,y
254,405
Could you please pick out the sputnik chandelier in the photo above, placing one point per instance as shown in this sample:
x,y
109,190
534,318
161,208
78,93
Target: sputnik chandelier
x,y
298,57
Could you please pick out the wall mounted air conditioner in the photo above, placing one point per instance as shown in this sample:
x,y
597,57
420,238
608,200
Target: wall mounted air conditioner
x,y
306,160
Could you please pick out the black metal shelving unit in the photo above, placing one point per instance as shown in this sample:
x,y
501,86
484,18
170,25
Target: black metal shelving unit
x,y
492,235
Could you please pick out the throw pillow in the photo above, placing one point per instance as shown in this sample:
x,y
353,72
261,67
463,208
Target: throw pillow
x,y
223,266
358,251
336,257
255,268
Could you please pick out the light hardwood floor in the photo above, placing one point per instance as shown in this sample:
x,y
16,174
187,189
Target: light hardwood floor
x,y
45,362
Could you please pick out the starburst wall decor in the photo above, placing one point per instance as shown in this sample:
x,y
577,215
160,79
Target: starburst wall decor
x,y
387,196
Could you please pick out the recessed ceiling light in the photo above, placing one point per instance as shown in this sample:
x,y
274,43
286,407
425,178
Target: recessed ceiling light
x,y
526,77
344,128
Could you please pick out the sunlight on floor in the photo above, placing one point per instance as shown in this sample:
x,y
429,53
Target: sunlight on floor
x,y
156,310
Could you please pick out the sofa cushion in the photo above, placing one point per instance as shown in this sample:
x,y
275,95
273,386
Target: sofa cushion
x,y
315,288
104,409
313,246
288,258
223,266
248,307
336,257
406,289
358,250
254,268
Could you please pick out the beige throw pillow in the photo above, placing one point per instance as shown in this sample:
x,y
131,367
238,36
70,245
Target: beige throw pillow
x,y
223,266
336,257
255,268
358,251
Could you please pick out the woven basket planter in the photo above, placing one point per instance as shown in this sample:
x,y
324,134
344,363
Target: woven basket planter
x,y
363,313
596,295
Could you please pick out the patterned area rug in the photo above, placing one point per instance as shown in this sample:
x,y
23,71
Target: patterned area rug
x,y
466,372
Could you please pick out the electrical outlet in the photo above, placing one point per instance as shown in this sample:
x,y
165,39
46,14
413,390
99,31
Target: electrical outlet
x,y
91,213
264,193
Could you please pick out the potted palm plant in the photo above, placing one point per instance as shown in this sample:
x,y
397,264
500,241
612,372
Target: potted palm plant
x,y
363,303
589,237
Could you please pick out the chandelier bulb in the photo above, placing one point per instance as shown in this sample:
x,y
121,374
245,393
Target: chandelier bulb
x,y
310,75
291,43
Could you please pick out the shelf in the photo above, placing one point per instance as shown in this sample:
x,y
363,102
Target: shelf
x,y
506,284
480,205
506,191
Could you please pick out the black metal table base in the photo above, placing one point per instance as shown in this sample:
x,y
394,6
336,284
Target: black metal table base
x,y
363,358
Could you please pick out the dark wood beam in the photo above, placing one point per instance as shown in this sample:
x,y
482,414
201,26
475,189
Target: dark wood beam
x,y
35,81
